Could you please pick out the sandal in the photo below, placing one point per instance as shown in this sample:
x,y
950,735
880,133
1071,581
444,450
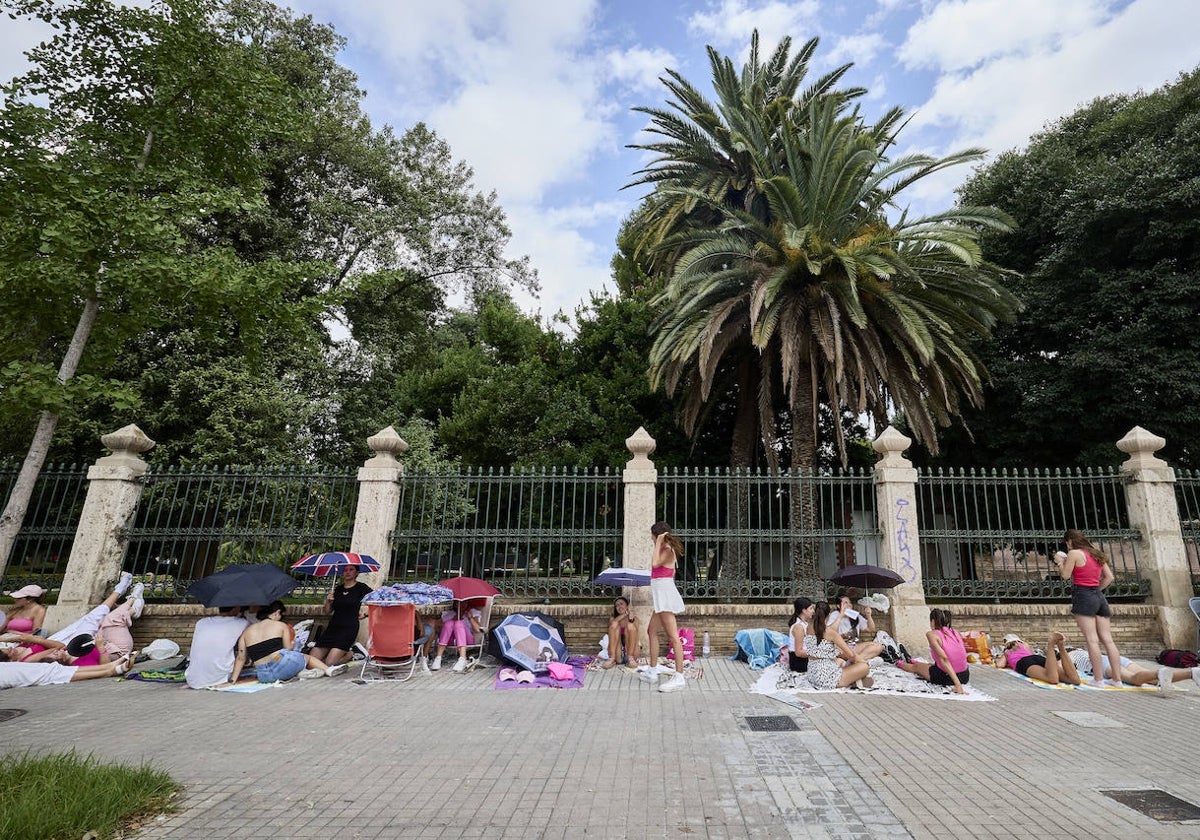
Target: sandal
x,y
125,663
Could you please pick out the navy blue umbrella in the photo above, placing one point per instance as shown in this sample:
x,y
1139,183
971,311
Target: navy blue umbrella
x,y
243,586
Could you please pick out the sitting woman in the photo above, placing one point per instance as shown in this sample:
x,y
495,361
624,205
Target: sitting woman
x,y
1056,666
461,624
268,645
949,655
850,623
622,633
27,613
824,653
802,613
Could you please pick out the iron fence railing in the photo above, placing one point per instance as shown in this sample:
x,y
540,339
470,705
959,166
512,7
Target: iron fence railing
x,y
992,534
43,544
768,535
535,534
193,522
1187,496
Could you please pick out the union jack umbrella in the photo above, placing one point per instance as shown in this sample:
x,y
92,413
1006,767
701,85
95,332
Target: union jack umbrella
x,y
332,563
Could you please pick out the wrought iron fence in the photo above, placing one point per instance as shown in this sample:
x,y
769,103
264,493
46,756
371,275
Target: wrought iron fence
x,y
1187,496
44,542
991,534
193,522
533,533
768,535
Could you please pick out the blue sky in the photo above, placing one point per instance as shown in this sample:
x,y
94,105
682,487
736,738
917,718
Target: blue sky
x,y
536,95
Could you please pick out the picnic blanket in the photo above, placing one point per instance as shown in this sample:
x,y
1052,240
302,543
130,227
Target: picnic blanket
x,y
578,665
245,687
889,680
1085,687
172,676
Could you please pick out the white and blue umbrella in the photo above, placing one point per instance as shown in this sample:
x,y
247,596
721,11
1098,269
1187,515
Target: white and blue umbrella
x,y
418,594
623,577
531,640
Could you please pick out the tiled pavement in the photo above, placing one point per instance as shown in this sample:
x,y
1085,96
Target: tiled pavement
x,y
445,755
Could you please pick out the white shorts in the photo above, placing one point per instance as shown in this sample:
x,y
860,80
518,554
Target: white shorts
x,y
666,596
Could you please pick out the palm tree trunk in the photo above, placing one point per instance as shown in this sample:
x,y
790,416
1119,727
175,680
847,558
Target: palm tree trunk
x,y
806,548
18,501
741,457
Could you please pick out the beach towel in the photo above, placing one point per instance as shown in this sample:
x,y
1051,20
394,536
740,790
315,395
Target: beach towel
x,y
759,648
889,681
578,665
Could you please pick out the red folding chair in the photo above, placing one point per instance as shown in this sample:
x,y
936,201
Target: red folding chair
x,y
390,645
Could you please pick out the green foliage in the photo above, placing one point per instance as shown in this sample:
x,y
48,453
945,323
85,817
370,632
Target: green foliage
x,y
65,795
1107,202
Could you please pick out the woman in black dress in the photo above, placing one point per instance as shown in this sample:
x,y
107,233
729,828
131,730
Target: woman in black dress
x,y
344,604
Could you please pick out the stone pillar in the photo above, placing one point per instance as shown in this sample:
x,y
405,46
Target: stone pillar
x,y
378,502
641,480
1161,556
900,550
114,489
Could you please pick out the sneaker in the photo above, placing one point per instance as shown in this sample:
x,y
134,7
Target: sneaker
x,y
1116,683
676,683
436,664
864,683
311,673
124,583
334,670
359,651
647,674
1164,680
139,602
666,670
904,654
889,656
460,665
424,663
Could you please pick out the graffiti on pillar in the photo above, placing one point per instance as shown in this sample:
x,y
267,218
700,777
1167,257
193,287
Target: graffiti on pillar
x,y
903,548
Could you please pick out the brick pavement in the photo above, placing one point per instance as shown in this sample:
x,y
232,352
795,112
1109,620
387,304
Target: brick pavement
x,y
445,756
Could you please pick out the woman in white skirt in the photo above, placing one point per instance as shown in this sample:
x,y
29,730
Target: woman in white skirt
x,y
667,605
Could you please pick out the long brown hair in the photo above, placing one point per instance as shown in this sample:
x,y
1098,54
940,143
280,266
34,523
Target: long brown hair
x,y
673,542
820,617
1075,539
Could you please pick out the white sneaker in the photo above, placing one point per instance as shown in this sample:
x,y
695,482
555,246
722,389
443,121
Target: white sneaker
x,y
647,673
666,669
460,665
124,583
135,596
436,664
311,673
334,670
1165,683
424,662
676,683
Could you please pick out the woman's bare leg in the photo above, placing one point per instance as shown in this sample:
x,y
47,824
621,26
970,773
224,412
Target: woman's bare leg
x,y
614,642
921,669
632,650
1087,626
1069,673
854,672
668,623
652,639
1104,634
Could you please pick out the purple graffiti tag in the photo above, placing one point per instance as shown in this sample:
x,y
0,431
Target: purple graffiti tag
x,y
902,547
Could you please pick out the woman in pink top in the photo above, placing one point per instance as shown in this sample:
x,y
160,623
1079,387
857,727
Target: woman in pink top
x,y
1089,572
949,667
1053,668
667,604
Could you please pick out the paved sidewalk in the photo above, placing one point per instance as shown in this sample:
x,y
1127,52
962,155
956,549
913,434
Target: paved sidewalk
x,y
446,756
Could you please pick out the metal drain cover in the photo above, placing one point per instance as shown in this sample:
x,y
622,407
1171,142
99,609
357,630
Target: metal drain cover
x,y
1156,804
772,723
9,714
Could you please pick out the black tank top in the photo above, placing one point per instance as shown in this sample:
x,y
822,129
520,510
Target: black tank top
x,y
266,647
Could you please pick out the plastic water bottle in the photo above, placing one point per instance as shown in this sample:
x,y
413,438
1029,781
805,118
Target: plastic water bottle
x,y
706,649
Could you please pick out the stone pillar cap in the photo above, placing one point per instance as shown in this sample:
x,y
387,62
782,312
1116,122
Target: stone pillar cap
x,y
386,444
891,445
1140,445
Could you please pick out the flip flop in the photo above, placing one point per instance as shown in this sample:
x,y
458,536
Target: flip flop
x,y
508,675
526,677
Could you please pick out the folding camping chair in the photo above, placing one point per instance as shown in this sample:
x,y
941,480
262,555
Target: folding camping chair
x,y
390,644
475,649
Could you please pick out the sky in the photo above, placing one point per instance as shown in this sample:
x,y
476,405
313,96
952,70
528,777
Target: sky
x,y
537,95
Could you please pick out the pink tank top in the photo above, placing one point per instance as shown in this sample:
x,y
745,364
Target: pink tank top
x,y
952,644
1016,654
20,625
1088,574
662,572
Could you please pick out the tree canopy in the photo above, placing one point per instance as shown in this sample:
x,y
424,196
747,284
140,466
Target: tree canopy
x,y
1107,243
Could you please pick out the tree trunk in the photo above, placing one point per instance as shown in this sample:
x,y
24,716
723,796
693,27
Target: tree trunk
x,y
18,501
806,547
741,457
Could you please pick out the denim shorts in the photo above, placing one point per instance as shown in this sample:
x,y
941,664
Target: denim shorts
x,y
1089,600
289,664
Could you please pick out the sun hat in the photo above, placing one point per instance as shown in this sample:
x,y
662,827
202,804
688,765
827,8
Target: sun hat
x,y
1013,637
30,591
507,675
81,644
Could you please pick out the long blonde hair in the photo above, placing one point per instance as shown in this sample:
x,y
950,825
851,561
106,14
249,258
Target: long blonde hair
x,y
1075,539
673,542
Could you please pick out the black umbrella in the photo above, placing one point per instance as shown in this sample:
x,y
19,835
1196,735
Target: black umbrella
x,y
866,577
243,586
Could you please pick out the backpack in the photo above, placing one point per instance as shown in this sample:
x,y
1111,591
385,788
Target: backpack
x,y
1175,658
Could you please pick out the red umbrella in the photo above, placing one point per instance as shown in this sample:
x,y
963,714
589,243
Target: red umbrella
x,y
465,588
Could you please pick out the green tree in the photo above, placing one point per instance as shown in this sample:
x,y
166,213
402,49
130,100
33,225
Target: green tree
x,y
1107,202
133,131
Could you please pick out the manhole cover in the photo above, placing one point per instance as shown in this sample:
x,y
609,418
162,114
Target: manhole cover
x,y
9,714
772,723
1156,804
1091,720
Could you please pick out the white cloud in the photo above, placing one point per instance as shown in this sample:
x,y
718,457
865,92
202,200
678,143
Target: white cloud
x,y
640,68
730,24
860,49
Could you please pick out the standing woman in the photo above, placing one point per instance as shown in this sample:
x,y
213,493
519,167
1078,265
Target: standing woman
x,y
825,650
667,605
1089,572
344,603
802,613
